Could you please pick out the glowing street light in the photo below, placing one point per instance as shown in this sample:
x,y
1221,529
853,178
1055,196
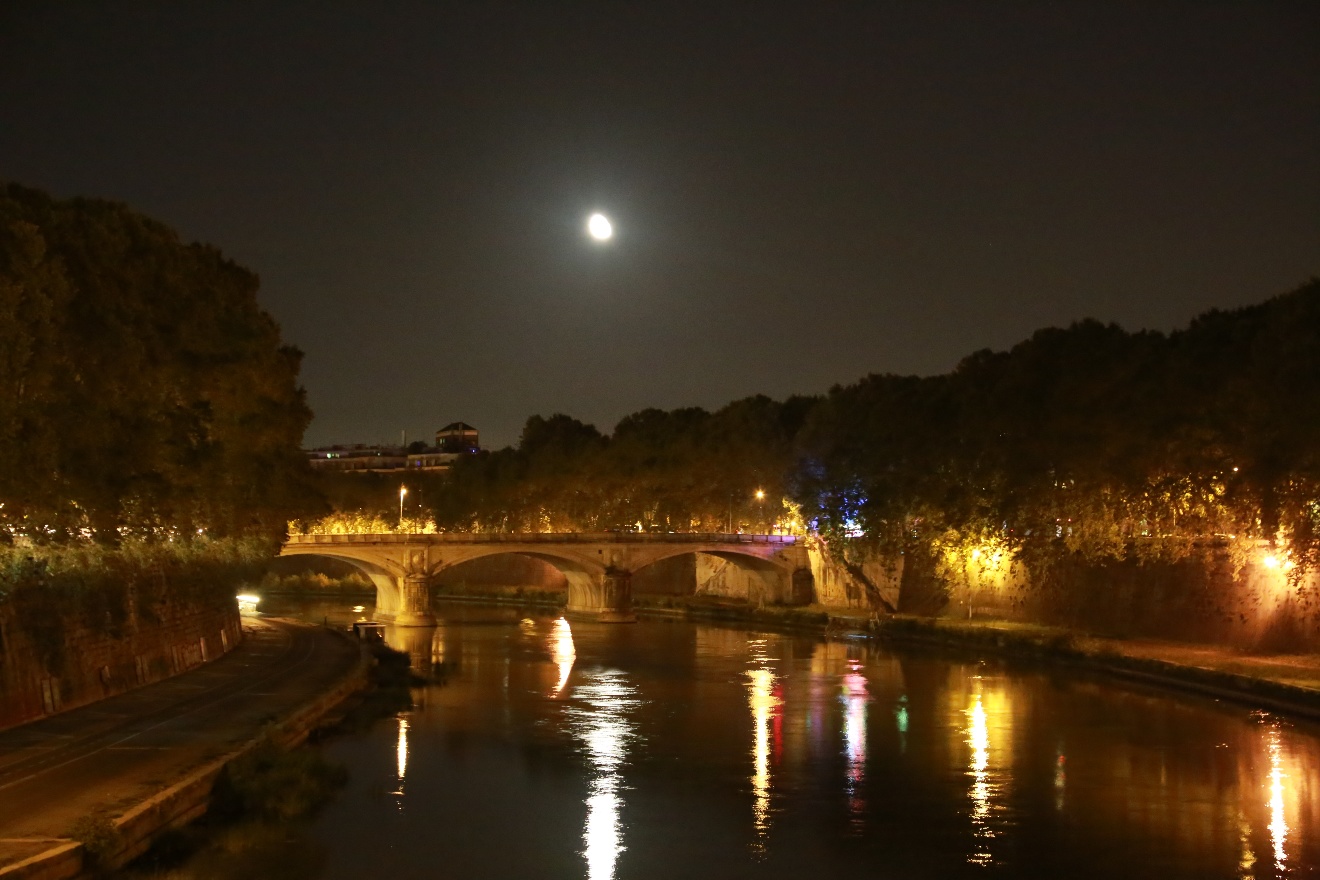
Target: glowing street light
x,y
403,490
760,506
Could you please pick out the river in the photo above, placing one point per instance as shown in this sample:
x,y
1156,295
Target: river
x,y
669,748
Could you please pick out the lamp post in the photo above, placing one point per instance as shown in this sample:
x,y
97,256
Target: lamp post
x,y
403,490
760,506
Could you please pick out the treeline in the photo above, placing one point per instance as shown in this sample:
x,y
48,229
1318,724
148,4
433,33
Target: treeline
x,y
143,391
685,470
1088,440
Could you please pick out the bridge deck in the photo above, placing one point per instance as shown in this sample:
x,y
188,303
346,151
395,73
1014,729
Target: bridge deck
x,y
548,538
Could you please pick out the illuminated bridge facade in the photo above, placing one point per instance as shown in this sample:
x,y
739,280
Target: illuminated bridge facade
x,y
597,566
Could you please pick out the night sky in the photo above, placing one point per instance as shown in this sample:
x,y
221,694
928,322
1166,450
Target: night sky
x,y
802,193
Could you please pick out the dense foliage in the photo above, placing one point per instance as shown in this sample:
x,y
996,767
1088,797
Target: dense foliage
x,y
1106,442
143,392
685,470
1088,440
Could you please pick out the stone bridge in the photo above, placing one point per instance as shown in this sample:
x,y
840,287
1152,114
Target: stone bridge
x,y
597,566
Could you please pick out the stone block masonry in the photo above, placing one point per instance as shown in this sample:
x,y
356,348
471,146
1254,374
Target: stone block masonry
x,y
56,660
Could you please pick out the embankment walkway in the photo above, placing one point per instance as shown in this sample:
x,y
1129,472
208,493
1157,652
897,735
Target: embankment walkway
x,y
107,757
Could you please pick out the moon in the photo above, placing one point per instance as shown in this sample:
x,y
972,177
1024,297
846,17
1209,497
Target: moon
x,y
599,227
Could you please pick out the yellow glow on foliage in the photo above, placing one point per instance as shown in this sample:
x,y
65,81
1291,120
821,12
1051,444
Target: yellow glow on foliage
x,y
790,521
364,524
980,563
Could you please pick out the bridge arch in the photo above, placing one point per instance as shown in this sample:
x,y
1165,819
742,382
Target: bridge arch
x,y
578,576
586,577
384,577
734,573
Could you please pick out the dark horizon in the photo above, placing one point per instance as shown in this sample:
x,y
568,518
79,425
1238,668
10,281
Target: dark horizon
x,y
800,197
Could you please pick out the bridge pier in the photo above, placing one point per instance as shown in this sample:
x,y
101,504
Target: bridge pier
x,y
414,607
607,598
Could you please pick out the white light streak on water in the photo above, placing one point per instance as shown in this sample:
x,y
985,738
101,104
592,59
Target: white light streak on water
x,y
602,724
401,757
561,649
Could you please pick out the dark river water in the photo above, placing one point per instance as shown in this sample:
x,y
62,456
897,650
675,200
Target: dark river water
x,y
669,749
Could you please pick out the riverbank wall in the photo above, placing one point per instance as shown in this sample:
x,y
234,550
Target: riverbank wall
x,y
1210,596
57,652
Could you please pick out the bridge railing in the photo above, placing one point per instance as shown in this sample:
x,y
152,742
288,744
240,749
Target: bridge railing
x,y
548,538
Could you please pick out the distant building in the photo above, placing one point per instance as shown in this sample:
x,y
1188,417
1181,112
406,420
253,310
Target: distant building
x,y
457,437
451,442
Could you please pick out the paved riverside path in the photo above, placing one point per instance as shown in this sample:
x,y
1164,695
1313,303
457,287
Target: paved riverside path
x,y
115,753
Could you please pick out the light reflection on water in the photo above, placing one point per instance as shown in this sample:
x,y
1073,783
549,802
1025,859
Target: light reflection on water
x,y
978,737
763,701
600,720
855,698
401,757
562,652
1278,821
974,766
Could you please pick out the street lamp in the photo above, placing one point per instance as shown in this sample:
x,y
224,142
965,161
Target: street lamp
x,y
760,506
403,490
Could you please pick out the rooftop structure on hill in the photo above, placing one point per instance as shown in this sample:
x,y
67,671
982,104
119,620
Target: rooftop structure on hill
x,y
457,437
451,442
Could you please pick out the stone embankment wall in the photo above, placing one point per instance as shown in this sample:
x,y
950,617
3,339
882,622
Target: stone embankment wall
x,y
1206,597
744,579
1203,598
53,658
870,583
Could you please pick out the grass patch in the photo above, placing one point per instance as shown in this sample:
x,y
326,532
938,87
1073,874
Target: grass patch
x,y
100,839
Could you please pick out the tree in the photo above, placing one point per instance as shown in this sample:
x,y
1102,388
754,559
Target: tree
x,y
142,388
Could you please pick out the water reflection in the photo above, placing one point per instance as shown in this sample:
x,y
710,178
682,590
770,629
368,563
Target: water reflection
x,y
561,650
764,702
855,697
978,737
1278,823
603,725
971,766
990,713
424,646
1060,779
401,758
